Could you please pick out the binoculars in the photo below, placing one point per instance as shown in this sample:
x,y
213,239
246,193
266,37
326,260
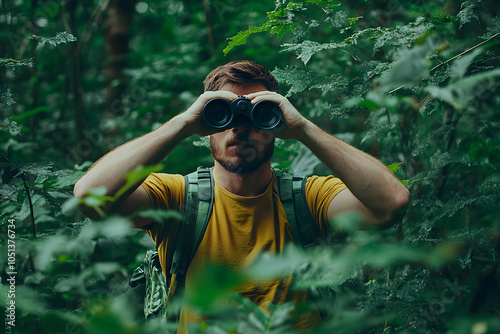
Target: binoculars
x,y
221,114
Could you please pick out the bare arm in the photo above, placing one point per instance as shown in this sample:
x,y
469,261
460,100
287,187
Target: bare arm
x,y
372,188
110,170
150,149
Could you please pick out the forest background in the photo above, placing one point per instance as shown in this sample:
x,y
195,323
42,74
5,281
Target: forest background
x,y
414,83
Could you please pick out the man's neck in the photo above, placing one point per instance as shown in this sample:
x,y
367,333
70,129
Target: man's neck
x,y
251,184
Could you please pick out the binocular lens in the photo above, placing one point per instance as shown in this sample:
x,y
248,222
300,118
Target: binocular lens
x,y
266,114
220,113
217,113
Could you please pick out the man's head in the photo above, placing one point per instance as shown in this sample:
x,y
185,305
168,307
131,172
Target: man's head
x,y
242,149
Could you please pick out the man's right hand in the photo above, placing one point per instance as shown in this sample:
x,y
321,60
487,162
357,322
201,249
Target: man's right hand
x,y
147,150
192,117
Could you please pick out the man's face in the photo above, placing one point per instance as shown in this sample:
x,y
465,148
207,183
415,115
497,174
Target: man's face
x,y
243,148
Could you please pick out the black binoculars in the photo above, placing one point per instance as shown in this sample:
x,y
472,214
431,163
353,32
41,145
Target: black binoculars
x,y
222,114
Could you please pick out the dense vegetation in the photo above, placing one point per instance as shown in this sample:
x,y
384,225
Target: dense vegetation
x,y
413,83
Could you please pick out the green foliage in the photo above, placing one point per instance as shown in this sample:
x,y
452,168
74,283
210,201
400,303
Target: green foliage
x,y
12,63
414,84
60,37
300,80
468,12
493,29
280,21
425,111
137,175
460,93
307,49
6,97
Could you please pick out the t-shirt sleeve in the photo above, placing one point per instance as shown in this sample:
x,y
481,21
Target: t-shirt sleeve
x,y
320,190
165,191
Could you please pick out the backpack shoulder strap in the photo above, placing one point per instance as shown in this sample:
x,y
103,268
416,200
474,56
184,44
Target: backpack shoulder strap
x,y
198,204
291,190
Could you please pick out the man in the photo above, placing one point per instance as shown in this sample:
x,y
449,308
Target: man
x,y
248,217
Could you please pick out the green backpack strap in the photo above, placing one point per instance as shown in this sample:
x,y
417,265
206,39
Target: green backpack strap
x,y
292,193
198,204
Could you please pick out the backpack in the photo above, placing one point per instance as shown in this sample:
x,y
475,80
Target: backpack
x,y
198,204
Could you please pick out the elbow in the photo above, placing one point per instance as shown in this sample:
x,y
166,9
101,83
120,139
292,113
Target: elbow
x,y
78,190
401,198
394,210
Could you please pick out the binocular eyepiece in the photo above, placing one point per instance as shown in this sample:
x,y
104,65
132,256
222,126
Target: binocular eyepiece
x,y
221,114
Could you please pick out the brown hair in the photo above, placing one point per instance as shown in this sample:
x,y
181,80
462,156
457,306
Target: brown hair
x,y
240,72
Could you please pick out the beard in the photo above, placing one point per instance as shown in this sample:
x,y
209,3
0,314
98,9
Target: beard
x,y
246,160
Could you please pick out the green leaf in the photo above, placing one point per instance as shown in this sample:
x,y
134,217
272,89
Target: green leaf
x,y
48,197
6,97
13,63
9,193
353,20
307,49
137,175
39,170
493,29
324,3
114,227
242,36
96,197
64,178
468,11
347,222
28,114
395,167
375,101
461,92
459,66
159,215
269,265
411,66
61,37
402,36
213,285
301,80
70,206
281,29
97,192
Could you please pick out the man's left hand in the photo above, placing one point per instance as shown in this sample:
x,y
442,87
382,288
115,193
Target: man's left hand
x,y
294,121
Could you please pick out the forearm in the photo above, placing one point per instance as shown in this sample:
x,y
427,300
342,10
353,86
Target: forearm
x,y
372,183
150,149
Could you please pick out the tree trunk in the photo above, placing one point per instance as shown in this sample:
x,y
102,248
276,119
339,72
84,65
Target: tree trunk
x,y
117,34
76,77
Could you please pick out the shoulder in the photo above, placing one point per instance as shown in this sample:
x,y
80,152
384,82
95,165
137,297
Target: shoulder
x,y
318,184
165,179
165,190
164,182
319,192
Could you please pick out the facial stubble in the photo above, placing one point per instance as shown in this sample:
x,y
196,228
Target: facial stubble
x,y
247,159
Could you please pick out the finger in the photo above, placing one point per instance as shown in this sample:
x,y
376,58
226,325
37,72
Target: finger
x,y
269,97
265,92
222,94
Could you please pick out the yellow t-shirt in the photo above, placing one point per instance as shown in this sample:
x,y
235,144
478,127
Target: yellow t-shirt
x,y
239,229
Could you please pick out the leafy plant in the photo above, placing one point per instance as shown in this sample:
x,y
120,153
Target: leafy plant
x,y
411,83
